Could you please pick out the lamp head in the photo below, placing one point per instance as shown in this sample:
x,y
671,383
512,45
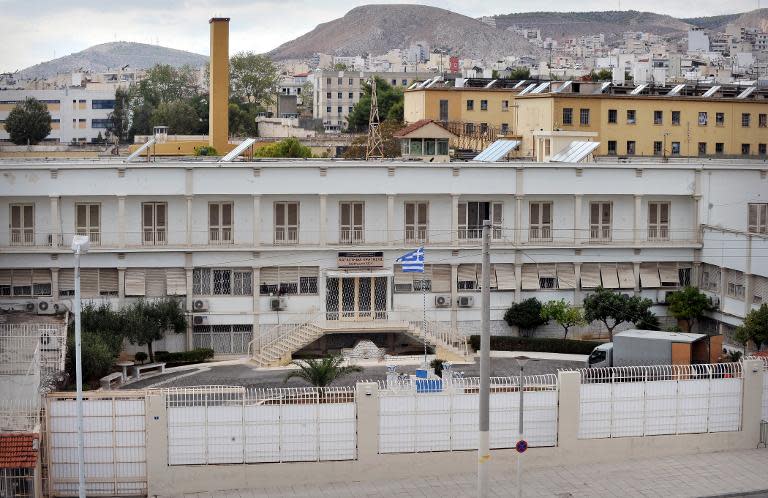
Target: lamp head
x,y
521,360
81,244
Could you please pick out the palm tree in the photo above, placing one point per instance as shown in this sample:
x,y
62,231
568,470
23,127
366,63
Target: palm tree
x,y
321,372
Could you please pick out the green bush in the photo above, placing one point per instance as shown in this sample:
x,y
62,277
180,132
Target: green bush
x,y
205,150
140,357
525,315
185,357
545,345
97,357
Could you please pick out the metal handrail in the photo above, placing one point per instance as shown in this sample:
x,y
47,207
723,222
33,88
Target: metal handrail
x,y
281,332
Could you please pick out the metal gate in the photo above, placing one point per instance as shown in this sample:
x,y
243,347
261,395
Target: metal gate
x,y
356,298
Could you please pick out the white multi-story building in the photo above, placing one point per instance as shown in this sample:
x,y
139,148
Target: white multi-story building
x,y
252,245
77,114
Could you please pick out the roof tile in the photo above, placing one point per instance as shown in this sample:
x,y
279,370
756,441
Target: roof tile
x,y
17,451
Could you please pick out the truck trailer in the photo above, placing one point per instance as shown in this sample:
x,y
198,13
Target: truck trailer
x,y
654,347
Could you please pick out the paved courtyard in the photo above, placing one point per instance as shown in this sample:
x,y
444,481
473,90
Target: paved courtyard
x,y
733,473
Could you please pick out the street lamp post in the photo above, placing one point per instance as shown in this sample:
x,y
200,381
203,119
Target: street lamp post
x,y
521,361
80,245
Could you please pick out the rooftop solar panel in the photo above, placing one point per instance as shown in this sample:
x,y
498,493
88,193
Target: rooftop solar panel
x,y
496,151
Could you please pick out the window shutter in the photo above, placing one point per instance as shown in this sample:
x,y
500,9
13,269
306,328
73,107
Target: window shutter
x,y
425,275
309,271
590,276
467,273
108,281
268,275
402,278
5,277
668,273
41,276
441,278
626,276
155,282
547,271
494,279
649,276
135,282
288,274
66,279
566,276
22,277
609,276
175,282
89,282
530,279
505,276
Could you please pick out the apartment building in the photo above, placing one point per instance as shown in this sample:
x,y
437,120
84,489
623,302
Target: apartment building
x,y
77,114
252,245
337,92
664,121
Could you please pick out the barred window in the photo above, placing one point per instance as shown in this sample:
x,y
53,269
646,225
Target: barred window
x,y
222,282
288,280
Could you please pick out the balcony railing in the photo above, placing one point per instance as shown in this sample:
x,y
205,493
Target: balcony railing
x,y
221,235
22,237
352,236
540,234
599,233
154,237
416,235
94,236
658,233
286,235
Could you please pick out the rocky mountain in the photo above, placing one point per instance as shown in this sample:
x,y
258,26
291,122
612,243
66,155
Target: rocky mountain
x,y
115,55
755,19
377,28
711,23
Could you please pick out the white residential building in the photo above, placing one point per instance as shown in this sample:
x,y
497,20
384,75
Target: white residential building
x,y
251,245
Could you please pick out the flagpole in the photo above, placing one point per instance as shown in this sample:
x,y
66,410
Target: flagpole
x,y
424,319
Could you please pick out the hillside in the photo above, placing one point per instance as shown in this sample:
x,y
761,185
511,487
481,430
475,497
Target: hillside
x,y
377,28
711,23
754,19
114,55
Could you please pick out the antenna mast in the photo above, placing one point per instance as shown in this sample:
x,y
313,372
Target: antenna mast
x,y
375,146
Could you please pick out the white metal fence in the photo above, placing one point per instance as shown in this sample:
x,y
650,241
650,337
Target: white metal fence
x,y
764,359
412,421
220,424
19,415
115,445
654,400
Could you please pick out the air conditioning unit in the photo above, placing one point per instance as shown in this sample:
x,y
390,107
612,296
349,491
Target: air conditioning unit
x,y
30,306
466,301
715,302
626,294
661,296
49,341
442,301
199,320
47,307
277,303
199,305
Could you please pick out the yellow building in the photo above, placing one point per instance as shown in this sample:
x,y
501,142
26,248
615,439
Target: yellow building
x,y
661,121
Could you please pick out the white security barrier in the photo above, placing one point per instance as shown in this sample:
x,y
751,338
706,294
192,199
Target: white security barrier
x,y
115,445
411,421
646,401
233,425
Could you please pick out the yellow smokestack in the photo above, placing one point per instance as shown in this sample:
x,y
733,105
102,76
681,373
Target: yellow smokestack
x,y
218,106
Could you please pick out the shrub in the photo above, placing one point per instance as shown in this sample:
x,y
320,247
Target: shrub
x,y
96,356
546,345
437,364
140,357
525,315
205,150
198,355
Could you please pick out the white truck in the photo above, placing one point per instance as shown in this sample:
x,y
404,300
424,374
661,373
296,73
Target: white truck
x,y
653,347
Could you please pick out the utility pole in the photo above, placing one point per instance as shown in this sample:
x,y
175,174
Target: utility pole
x,y
483,447
375,145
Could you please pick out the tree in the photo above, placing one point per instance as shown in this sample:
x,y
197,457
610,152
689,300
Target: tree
x,y
520,73
253,78
97,357
387,97
613,309
29,122
289,147
564,314
602,75
688,305
146,322
526,316
119,118
340,66
180,117
322,372
242,119
755,327
165,83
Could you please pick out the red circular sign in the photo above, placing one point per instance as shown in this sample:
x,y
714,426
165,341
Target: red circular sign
x,y
521,446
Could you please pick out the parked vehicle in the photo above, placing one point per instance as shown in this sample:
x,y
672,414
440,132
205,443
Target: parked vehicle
x,y
653,347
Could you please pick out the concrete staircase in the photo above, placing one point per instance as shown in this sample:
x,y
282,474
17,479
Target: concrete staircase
x,y
449,345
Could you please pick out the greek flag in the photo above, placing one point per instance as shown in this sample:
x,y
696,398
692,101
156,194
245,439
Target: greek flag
x,y
413,262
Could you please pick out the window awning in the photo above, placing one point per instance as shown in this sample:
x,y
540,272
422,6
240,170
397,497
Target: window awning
x,y
590,276
609,276
649,276
505,276
530,278
566,276
626,276
668,273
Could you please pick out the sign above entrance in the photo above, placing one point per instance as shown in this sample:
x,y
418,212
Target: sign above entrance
x,y
360,259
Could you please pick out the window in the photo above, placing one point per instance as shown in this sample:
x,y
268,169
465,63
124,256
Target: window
x,y
416,216
745,119
631,116
611,147
658,221
504,128
328,109
404,82
220,223
658,148
351,95
102,104
394,82
703,118
758,218
467,278
719,119
329,95
338,95
472,215
483,105
100,123
442,146
676,118
540,224
504,105
435,278
613,116
567,116
630,147
96,282
349,109
351,80
719,148
286,222
761,149
340,81
735,284
483,128
339,110
416,148
25,282
469,128
352,222
675,148
87,221
222,282
153,224
328,81
288,280
600,221
658,117
443,110
762,120
22,224
223,339
470,105
584,117
702,148
745,149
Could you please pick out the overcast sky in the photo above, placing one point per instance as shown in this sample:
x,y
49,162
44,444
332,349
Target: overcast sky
x,y
33,30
